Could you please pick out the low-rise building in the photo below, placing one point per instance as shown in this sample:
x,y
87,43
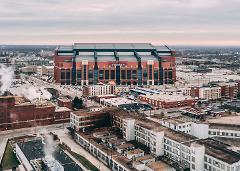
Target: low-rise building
x,y
83,119
166,101
98,90
229,90
64,102
32,156
210,93
45,70
116,102
187,151
16,112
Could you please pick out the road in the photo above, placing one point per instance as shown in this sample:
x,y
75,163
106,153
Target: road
x,y
65,137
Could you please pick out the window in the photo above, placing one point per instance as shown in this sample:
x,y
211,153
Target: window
x,y
101,74
112,74
68,74
155,74
90,74
79,74
106,74
134,74
193,166
123,74
63,74
84,72
193,159
129,74
145,74
150,72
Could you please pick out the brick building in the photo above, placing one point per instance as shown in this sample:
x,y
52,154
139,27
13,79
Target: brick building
x,y
65,102
229,90
167,101
16,112
122,63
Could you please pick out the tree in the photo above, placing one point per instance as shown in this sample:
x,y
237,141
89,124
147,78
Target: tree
x,y
238,95
162,114
77,103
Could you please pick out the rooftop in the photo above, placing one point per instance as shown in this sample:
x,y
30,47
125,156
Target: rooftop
x,y
231,120
143,158
135,151
177,120
62,109
84,112
34,149
140,47
219,150
125,146
118,101
168,97
158,166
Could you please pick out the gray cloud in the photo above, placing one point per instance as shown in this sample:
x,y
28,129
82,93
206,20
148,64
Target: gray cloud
x,y
158,21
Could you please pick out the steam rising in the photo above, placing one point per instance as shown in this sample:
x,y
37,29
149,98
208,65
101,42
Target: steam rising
x,y
33,93
49,146
6,77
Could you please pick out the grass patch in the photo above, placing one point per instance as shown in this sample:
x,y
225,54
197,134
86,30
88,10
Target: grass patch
x,y
86,163
9,160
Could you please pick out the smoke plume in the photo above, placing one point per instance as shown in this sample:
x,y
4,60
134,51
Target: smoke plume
x,y
6,77
49,146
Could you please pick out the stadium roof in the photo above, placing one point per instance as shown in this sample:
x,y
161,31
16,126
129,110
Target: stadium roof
x,y
113,47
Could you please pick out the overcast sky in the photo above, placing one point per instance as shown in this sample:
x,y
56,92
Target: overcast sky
x,y
172,22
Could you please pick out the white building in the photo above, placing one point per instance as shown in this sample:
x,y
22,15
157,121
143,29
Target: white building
x,y
228,127
210,93
45,70
186,150
115,102
98,90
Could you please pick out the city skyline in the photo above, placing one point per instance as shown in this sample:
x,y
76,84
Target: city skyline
x,y
178,22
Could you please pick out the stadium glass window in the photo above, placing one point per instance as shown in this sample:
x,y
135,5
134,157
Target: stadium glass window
x,y
123,74
106,74
101,74
112,74
129,73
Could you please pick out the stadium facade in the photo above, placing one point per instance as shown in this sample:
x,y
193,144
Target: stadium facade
x,y
122,63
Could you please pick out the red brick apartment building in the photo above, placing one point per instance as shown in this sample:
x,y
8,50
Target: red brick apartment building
x,y
166,101
122,63
229,90
16,112
65,102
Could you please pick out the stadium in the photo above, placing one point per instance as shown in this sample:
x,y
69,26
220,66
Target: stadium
x,y
122,63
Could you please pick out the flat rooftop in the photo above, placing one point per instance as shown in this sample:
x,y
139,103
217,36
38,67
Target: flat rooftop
x,y
83,112
118,101
158,166
219,150
113,46
34,149
231,120
62,109
168,97
177,120
233,142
